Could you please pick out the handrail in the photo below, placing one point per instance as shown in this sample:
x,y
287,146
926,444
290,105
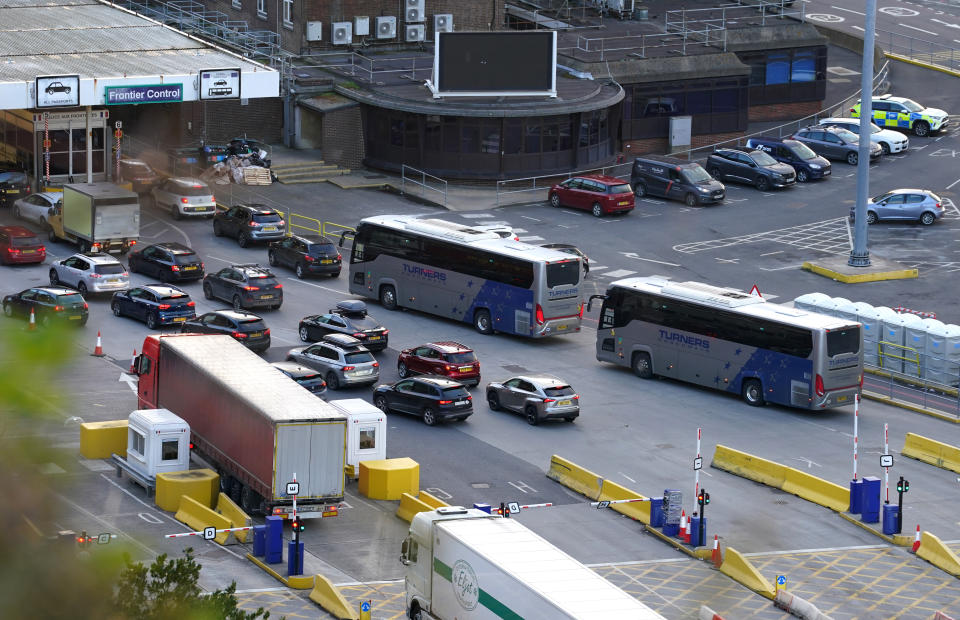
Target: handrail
x,y
422,182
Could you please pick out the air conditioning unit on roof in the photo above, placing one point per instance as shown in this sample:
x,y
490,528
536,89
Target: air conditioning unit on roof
x,y
341,33
443,22
415,32
386,27
361,26
414,11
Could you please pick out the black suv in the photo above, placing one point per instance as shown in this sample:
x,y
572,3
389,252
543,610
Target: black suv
x,y
307,255
249,223
433,398
14,183
668,177
248,329
348,317
245,286
169,262
750,166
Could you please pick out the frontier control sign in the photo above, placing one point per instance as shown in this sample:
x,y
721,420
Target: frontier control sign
x,y
152,93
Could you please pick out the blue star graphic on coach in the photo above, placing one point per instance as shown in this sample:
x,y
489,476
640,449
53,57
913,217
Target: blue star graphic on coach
x,y
737,352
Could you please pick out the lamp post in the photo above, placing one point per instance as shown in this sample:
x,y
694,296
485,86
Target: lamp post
x,y
859,255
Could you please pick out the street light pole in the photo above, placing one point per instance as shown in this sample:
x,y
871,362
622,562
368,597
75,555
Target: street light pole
x,y
859,255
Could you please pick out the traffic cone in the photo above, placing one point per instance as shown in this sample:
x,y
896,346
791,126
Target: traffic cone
x,y
98,350
133,362
33,322
916,539
683,524
716,556
687,533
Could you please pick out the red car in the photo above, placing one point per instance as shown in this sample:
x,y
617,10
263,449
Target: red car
x,y
599,194
447,359
19,245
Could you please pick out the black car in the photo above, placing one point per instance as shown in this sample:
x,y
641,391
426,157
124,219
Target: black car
x,y
307,255
170,262
349,317
435,399
306,377
753,167
248,329
244,286
14,184
49,304
249,224
154,304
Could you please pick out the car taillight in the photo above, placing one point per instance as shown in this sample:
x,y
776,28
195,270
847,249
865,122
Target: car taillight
x,y
539,315
174,267
308,258
818,386
184,200
58,308
575,397
254,224
238,335
125,274
376,364
95,247
939,206
347,368
133,242
164,306
13,250
549,400
95,275
580,313
87,307
191,304
339,257
385,332
266,332
444,402
447,367
278,286
201,266
281,223
251,288
359,335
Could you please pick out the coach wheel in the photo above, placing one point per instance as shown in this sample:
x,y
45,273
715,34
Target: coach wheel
x,y
482,322
752,392
388,297
641,365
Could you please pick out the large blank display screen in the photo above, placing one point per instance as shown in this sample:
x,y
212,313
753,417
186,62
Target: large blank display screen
x,y
496,61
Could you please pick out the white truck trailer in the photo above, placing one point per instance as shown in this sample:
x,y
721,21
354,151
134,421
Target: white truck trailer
x,y
465,564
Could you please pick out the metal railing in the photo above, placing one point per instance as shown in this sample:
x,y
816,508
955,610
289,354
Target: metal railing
x,y
543,182
693,22
637,44
425,182
920,50
360,66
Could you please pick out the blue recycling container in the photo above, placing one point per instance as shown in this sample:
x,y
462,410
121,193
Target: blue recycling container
x,y
274,540
870,508
259,540
891,516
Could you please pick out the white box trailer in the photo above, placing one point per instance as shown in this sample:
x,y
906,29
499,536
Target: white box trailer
x,y
464,564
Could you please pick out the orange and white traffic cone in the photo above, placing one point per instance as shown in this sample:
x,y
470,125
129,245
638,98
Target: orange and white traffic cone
x,y
98,350
916,539
687,534
133,362
716,556
683,525
33,322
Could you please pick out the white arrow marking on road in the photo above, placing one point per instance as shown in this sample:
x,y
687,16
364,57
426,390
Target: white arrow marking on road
x,y
947,24
809,463
130,381
649,260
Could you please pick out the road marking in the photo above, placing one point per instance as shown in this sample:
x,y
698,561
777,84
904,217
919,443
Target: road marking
x,y
920,29
854,548
522,486
599,267
859,28
619,273
735,261
257,590
326,288
840,8
649,260
803,459
149,518
530,218
772,253
627,477
947,24
952,184
564,226
475,216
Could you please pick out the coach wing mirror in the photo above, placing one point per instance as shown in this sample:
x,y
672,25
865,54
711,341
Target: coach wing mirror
x,y
344,235
590,301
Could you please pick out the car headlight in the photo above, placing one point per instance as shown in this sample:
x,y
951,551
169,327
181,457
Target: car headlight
x,y
704,190
815,166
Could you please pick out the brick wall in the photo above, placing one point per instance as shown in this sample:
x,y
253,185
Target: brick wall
x,y
343,139
783,111
260,118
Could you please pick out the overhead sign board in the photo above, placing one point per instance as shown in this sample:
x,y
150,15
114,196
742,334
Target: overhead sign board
x,y
220,84
58,91
149,93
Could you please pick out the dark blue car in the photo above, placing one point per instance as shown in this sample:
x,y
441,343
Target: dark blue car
x,y
154,304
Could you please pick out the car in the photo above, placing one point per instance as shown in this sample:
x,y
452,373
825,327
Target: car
x,y
154,304
185,196
445,359
807,164
308,378
835,143
244,286
168,262
917,205
599,194
36,207
306,255
890,141
49,304
249,224
220,83
348,317
537,397
139,174
20,246
341,359
56,87
435,399
248,329
750,166
677,179
504,231
903,113
566,248
90,272
14,183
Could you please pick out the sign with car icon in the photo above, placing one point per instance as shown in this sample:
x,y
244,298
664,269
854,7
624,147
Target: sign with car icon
x,y
58,91
219,84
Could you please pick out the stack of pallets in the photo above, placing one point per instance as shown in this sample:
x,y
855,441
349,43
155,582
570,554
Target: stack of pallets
x,y
255,175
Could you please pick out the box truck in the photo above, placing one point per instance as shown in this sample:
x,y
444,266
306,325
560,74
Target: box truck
x,y
465,564
100,215
256,426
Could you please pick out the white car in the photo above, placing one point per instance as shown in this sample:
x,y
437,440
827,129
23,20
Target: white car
x,y
504,231
36,207
890,141
185,196
90,272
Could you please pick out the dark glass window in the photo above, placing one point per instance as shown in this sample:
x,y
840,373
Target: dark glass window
x,y
532,136
778,68
565,273
512,136
490,137
470,137
841,341
451,135
396,132
431,134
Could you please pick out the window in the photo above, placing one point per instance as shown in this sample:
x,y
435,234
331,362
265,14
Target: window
x,y
841,341
170,449
778,68
262,8
137,442
804,68
368,437
288,12
237,5
566,273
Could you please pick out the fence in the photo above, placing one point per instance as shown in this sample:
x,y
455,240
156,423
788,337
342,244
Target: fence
x,y
700,22
919,50
364,68
909,376
425,182
544,182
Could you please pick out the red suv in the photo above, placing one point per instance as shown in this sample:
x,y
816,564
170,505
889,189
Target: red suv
x,y
19,245
447,359
598,194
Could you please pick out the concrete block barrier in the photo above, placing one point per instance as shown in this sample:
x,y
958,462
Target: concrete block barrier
x,y
98,440
328,596
431,500
203,485
236,515
934,551
742,571
639,511
931,451
816,490
198,516
749,466
410,505
572,476
389,478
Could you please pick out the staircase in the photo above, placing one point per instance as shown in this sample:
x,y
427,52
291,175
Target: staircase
x,y
307,172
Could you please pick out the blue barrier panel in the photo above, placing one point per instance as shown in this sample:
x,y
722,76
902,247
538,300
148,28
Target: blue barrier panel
x,y
695,524
856,496
293,553
259,540
870,508
274,540
890,518
483,507
656,511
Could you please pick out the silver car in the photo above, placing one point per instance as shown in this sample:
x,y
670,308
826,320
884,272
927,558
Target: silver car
x,y
185,196
341,359
904,204
36,207
537,397
90,273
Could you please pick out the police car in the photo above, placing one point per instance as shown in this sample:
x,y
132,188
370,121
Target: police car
x,y
903,113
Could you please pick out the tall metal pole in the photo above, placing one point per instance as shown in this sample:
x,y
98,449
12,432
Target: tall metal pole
x,y
856,420
859,255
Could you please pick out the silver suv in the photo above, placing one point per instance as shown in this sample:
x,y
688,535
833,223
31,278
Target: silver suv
x,y
536,397
90,272
342,360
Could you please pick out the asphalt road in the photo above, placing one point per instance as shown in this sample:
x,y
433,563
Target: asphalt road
x,y
936,21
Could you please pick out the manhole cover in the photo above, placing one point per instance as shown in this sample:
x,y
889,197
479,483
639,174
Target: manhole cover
x,y
480,485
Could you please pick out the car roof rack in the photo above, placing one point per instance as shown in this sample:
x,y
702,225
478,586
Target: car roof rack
x,y
343,340
350,306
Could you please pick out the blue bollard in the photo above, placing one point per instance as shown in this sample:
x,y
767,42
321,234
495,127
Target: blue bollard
x,y
483,507
294,553
259,540
890,517
274,540
656,511
856,496
694,531
870,508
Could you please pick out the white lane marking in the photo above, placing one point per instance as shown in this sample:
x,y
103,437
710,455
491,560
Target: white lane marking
x,y
772,253
627,477
530,218
326,288
222,260
936,34
952,184
619,273
840,8
258,590
599,267
563,226
858,28
529,239
855,548
474,216
780,268
649,260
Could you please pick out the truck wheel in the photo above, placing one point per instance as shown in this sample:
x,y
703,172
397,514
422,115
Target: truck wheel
x,y
415,613
481,321
531,415
333,382
152,321
235,491
752,392
250,500
921,128
641,365
52,236
388,297
381,403
429,416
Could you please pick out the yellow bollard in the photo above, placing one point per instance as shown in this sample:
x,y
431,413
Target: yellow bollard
x,y
365,610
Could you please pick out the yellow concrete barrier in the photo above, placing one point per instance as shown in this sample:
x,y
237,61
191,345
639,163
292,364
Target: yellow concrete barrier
x,y
572,476
432,500
202,485
930,451
741,570
410,505
98,440
328,596
236,515
639,511
816,490
301,582
389,478
198,516
749,466
934,551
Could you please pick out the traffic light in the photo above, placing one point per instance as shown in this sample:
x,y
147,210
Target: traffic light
x,y
703,498
297,524
83,541
903,485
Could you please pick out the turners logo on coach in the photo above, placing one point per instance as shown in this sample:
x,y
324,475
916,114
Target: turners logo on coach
x,y
465,585
682,339
426,274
